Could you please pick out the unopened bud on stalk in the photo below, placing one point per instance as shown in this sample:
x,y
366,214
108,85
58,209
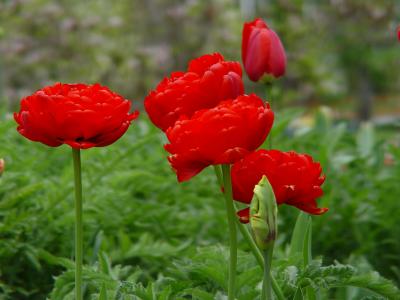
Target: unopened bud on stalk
x,y
2,166
263,214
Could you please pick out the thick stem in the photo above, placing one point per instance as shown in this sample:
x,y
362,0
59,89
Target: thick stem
x,y
230,212
76,155
267,280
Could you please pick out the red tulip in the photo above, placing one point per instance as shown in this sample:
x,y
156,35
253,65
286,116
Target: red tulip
x,y
80,115
262,51
295,178
208,80
220,135
398,32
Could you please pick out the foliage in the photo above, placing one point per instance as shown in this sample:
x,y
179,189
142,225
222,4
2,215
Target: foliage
x,y
44,41
108,41
148,236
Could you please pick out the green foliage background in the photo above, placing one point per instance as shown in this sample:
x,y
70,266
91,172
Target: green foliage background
x,y
146,236
333,46
170,236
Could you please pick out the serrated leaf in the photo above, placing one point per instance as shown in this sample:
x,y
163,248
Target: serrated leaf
x,y
374,282
54,260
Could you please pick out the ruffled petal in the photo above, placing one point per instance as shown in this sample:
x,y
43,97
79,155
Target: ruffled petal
x,y
79,115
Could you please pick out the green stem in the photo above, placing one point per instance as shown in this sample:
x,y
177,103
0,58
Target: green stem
x,y
307,256
259,257
268,93
76,155
218,173
250,241
267,280
230,211
253,246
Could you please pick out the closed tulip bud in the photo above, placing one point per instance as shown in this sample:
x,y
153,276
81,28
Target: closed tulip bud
x,y
263,54
2,166
263,214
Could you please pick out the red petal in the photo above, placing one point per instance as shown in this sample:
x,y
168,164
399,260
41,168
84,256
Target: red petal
x,y
244,215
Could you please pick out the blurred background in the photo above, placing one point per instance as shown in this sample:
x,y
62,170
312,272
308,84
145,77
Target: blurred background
x,y
339,101
341,53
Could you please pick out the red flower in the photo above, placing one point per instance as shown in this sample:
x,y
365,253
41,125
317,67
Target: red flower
x,y
398,32
295,178
208,81
220,135
80,115
262,51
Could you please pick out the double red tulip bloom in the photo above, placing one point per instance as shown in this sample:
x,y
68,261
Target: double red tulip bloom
x,y
220,135
208,80
80,115
262,51
295,178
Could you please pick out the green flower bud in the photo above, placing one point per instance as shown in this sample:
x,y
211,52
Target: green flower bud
x,y
263,214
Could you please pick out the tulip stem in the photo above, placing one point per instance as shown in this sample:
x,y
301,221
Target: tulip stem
x,y
250,241
218,173
76,155
269,96
230,211
259,257
266,293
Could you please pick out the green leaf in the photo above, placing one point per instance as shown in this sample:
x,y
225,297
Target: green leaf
x,y
365,140
103,292
299,295
105,265
317,277
307,253
54,260
198,294
374,282
299,234
307,256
